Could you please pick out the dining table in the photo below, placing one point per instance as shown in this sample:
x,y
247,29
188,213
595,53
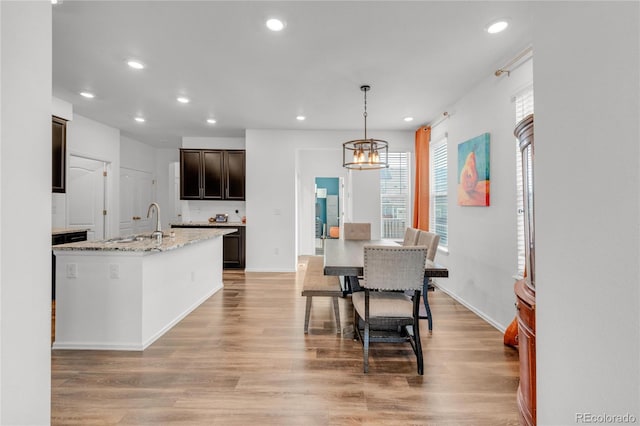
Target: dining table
x,y
345,258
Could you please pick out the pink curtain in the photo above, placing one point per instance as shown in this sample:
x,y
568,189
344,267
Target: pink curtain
x,y
421,199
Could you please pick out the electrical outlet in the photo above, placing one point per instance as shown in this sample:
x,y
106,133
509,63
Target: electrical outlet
x,y
72,270
193,276
276,250
114,271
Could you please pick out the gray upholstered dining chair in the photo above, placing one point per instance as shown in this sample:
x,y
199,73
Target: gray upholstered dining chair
x,y
410,236
431,241
357,231
383,310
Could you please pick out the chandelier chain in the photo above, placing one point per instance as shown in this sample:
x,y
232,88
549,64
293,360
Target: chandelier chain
x,y
365,113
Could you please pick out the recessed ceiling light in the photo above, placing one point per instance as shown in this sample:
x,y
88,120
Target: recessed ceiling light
x,y
87,95
135,64
407,119
211,121
140,119
301,118
497,26
182,100
56,1
275,24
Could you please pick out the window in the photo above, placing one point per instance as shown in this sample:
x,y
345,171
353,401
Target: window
x,y
394,196
524,106
439,210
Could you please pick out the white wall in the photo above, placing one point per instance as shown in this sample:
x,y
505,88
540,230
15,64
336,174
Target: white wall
x,y
213,143
482,240
90,139
137,155
272,176
25,218
62,109
587,187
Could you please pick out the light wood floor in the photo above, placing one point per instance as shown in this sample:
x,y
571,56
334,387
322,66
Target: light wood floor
x,y
242,358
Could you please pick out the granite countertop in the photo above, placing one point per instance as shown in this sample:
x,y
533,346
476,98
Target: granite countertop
x,y
60,231
144,242
206,224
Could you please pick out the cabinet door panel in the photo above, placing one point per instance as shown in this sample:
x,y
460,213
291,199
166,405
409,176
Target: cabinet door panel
x,y
235,175
212,175
190,183
58,140
233,250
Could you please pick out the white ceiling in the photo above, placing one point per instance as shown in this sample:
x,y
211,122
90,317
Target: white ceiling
x,y
418,56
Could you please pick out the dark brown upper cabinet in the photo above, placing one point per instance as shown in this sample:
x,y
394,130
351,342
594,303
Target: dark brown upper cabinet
x,y
59,149
207,174
234,174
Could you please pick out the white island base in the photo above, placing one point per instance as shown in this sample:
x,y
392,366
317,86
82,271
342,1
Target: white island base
x,y
125,300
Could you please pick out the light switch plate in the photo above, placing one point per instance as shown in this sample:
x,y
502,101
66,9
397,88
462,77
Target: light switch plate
x,y
72,270
114,271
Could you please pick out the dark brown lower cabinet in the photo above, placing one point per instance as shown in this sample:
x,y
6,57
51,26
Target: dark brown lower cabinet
x,y
233,250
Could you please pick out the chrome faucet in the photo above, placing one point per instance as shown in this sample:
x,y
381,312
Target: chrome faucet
x,y
158,232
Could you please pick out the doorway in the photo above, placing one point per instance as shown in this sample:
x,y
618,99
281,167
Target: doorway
x,y
86,196
327,216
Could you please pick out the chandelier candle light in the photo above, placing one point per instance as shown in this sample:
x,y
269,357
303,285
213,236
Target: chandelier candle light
x,y
364,154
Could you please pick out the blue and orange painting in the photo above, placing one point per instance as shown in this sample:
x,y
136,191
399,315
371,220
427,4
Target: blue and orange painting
x,y
473,171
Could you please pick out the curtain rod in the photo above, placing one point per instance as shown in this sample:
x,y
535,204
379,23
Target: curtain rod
x,y
445,115
505,68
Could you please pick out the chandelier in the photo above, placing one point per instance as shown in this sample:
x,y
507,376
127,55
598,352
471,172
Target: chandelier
x,y
364,154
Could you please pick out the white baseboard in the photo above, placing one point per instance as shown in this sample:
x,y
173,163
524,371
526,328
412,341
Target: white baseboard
x,y
96,346
473,309
268,270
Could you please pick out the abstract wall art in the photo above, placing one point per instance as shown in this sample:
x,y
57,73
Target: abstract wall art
x,y
473,171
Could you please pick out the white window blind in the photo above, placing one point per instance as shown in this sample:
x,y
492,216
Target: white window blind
x,y
438,220
394,196
524,106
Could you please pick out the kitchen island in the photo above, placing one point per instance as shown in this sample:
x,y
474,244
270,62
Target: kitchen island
x,y
233,245
124,293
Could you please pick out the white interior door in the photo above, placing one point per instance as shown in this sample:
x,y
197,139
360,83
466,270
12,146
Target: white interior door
x,y
143,197
127,213
136,193
86,196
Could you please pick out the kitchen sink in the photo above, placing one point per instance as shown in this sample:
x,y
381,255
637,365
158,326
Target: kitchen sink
x,y
133,238
125,239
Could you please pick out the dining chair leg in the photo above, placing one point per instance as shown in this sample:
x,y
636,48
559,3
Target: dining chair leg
x,y
425,289
416,334
366,347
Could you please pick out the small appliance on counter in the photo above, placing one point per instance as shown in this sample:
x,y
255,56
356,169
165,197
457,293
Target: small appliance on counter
x,y
220,218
